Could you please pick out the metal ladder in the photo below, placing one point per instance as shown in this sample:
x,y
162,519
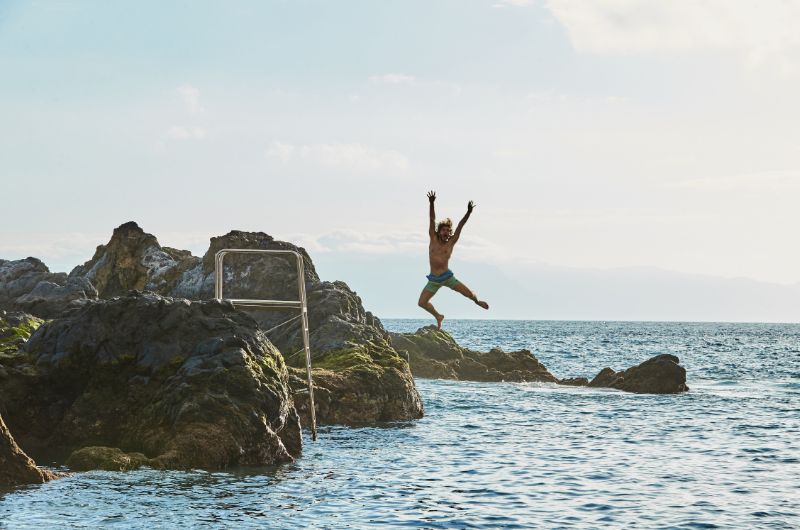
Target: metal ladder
x,y
275,304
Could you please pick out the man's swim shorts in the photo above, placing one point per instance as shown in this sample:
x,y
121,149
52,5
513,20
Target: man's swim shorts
x,y
436,282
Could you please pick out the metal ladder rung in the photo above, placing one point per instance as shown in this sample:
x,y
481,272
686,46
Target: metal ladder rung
x,y
277,304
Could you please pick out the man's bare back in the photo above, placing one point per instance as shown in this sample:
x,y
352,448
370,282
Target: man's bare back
x,y
440,249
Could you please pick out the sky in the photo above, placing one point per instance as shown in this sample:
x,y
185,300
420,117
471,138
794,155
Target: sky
x,y
593,135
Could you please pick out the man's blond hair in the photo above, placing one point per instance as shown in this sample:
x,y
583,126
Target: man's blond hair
x,y
446,222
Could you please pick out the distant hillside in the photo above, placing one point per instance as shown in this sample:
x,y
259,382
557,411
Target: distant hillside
x,y
390,285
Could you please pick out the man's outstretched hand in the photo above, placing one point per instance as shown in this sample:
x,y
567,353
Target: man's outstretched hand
x,y
431,196
470,206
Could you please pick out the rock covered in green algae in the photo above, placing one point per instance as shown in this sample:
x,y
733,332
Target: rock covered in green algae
x,y
16,468
358,384
28,285
189,384
661,374
15,329
434,353
105,458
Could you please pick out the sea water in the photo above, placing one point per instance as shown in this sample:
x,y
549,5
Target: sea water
x,y
510,455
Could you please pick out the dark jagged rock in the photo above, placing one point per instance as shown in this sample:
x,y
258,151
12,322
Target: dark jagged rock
x,y
434,353
661,374
189,384
133,260
246,276
105,458
16,468
28,285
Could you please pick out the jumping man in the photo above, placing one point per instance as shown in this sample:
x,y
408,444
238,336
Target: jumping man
x,y
439,252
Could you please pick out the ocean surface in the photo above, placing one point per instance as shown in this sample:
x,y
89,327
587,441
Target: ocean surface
x,y
509,455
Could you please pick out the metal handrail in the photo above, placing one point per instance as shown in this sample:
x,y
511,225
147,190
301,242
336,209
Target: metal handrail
x,y
274,304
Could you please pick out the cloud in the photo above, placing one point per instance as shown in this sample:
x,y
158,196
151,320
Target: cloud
x,y
515,3
186,133
392,79
352,156
392,242
750,182
764,31
191,98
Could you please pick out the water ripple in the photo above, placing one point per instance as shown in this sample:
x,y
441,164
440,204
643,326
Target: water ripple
x,y
504,455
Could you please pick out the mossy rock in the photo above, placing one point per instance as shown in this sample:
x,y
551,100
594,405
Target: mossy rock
x,y
15,329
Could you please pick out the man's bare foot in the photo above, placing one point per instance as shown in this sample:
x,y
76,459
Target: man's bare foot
x,y
482,304
439,319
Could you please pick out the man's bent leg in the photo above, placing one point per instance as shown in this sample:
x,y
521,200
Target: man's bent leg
x,y
463,289
425,303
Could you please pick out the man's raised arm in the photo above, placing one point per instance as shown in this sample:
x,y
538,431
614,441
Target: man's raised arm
x,y
462,222
432,225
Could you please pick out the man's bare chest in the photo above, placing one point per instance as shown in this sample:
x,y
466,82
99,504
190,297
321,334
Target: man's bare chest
x,y
442,251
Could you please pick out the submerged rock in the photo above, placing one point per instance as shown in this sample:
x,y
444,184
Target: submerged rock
x,y
28,285
661,374
189,384
434,353
105,458
17,468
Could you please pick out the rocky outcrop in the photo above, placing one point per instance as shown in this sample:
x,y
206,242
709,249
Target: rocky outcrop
x,y
338,322
433,353
16,468
134,260
661,374
188,384
379,387
28,285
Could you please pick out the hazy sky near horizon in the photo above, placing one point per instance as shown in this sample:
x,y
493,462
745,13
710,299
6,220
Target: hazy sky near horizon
x,y
604,133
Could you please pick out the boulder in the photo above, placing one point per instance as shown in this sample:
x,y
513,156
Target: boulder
x,y
16,468
433,353
28,285
358,384
188,384
661,374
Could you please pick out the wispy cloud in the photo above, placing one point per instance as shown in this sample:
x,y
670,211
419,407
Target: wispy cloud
x,y
392,242
186,133
392,79
760,32
514,3
750,182
352,156
190,96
